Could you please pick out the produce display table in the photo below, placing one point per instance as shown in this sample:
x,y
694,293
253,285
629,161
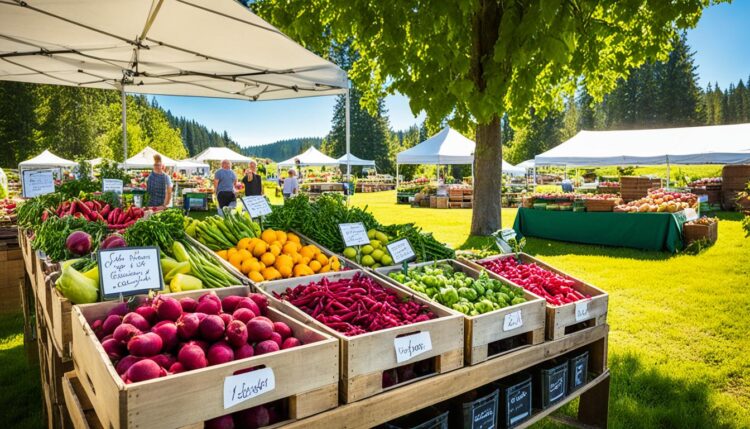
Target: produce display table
x,y
650,231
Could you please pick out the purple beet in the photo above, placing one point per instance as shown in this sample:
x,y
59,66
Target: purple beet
x,y
243,314
165,360
226,317
114,349
276,337
219,353
290,342
187,326
192,357
125,332
142,370
250,305
168,332
167,308
283,329
244,351
223,422
268,346
120,309
212,327
137,320
96,326
188,304
145,345
147,312
255,417
208,306
125,363
176,368
236,333
229,303
260,300
110,323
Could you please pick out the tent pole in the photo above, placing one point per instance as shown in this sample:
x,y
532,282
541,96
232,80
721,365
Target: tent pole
x,y
668,177
397,177
124,123
348,148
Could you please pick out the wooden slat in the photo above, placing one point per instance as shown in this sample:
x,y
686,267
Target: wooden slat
x,y
395,403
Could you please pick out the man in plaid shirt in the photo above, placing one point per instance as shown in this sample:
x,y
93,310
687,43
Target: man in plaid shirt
x,y
158,185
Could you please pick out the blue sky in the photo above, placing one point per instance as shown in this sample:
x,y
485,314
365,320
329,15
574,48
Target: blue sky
x,y
721,42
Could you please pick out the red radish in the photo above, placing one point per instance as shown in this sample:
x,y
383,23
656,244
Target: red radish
x,y
192,357
113,348
167,308
260,300
212,327
147,312
249,304
223,422
145,345
245,351
78,243
290,342
243,314
268,346
236,333
110,323
125,332
137,320
188,304
142,370
219,353
187,326
168,332
258,330
283,329
229,303
125,363
252,418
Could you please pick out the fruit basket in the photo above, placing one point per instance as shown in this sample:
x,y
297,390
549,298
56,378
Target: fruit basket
x,y
197,395
562,317
370,362
701,229
496,332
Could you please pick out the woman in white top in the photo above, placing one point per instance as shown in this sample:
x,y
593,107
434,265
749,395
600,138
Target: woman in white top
x,y
291,187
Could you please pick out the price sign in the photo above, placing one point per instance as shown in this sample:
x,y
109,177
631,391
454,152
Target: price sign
x,y
400,250
518,403
484,413
412,345
582,311
129,271
690,214
38,182
112,185
354,234
243,387
512,321
256,205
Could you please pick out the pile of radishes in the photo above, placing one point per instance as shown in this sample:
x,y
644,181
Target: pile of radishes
x,y
167,336
555,288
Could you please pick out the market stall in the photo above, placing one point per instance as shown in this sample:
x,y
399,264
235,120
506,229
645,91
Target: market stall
x,y
218,154
144,160
314,187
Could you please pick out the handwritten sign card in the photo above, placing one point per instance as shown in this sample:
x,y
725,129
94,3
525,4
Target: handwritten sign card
x,y
112,185
412,345
243,387
582,311
129,271
256,205
400,250
38,182
512,321
354,234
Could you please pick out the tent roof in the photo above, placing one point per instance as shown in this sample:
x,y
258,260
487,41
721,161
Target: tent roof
x,y
446,147
513,170
45,159
311,158
529,163
220,154
353,160
190,163
717,144
145,159
205,48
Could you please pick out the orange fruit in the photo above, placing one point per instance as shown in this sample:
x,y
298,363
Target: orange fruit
x,y
285,271
290,236
281,236
307,251
302,270
305,260
270,273
296,257
335,264
275,249
315,249
230,252
260,249
290,247
323,259
315,266
244,243
262,266
255,276
246,266
244,254
222,254
253,264
325,269
283,260
268,259
236,260
269,236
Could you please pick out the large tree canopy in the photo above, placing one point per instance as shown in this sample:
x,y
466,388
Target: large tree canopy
x,y
474,60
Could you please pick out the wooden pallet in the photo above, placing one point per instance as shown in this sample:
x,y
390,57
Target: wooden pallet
x,y
13,273
365,357
195,396
481,331
562,320
80,410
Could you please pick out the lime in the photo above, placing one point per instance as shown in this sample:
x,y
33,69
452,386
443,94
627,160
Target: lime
x,y
366,250
377,254
367,260
386,260
371,233
350,252
375,244
381,237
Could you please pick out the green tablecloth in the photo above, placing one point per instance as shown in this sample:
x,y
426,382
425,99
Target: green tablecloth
x,y
651,231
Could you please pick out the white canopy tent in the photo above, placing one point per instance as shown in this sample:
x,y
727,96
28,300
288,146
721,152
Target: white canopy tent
x,y
188,164
154,47
353,160
717,144
513,170
310,158
44,160
220,154
145,159
529,163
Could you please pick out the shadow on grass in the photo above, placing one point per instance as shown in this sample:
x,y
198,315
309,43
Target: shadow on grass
x,y
20,394
642,397
731,216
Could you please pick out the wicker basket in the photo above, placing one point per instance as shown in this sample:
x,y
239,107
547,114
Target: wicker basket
x,y
694,232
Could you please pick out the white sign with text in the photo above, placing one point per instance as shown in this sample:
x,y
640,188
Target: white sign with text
x,y
256,205
582,311
243,387
129,271
354,234
112,185
412,345
38,182
512,321
400,250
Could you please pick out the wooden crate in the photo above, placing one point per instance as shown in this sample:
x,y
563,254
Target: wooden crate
x,y
77,404
433,201
13,272
442,202
562,320
735,177
60,322
306,375
694,232
455,205
467,205
600,205
482,330
365,357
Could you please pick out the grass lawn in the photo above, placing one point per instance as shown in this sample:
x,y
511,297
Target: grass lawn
x,y
679,348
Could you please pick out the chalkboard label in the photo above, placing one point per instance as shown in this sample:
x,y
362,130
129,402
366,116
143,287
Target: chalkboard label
x,y
354,234
256,205
112,185
38,182
557,384
243,387
413,345
484,413
400,250
518,403
129,271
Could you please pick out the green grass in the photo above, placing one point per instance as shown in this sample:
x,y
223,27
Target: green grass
x,y
679,348
20,391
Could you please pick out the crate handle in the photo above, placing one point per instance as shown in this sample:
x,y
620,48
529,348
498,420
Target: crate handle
x,y
250,369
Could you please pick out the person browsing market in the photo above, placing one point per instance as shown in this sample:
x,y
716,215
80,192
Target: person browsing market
x,y
252,181
224,183
158,185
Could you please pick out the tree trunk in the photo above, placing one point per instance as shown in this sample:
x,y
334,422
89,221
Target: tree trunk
x,y
488,155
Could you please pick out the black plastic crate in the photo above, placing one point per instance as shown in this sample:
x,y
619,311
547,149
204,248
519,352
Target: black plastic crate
x,y
551,383
480,413
578,366
515,394
429,418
